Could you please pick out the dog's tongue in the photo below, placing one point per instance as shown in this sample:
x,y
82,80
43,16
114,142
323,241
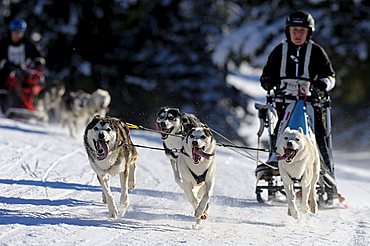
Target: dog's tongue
x,y
287,154
199,153
203,154
102,148
196,155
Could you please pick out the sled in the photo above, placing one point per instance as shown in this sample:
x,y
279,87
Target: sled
x,y
300,110
24,85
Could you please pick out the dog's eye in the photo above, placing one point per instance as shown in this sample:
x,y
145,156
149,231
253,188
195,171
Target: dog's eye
x,y
96,128
297,139
191,136
286,138
203,137
161,116
171,117
109,129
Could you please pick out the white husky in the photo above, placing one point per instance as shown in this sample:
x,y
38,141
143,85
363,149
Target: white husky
x,y
299,161
197,168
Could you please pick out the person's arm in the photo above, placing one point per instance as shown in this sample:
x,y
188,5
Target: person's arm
x,y
33,53
325,75
271,71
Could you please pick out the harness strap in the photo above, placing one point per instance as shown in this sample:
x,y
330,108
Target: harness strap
x,y
283,59
295,180
169,151
199,178
182,150
306,61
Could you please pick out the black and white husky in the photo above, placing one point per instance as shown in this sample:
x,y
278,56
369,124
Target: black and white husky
x,y
174,126
110,152
197,167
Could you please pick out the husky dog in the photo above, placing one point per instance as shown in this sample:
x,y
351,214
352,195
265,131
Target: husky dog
x,y
299,160
197,168
110,152
73,111
98,102
49,101
174,126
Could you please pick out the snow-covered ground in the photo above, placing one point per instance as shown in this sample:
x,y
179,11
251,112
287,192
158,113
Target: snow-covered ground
x,y
49,195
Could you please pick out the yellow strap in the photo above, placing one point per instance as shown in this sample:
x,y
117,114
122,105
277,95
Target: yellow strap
x,y
132,126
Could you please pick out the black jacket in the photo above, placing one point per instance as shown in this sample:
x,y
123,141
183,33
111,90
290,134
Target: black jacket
x,y
31,51
319,66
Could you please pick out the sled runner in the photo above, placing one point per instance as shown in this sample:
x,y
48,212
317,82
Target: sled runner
x,y
298,111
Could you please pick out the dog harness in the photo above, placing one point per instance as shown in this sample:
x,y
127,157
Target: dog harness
x,y
169,151
295,180
199,178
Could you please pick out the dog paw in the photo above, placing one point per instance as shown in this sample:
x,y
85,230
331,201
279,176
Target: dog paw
x,y
204,216
313,208
305,208
293,212
113,213
131,186
199,214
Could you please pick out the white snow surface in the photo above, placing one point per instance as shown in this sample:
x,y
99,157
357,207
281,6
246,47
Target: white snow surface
x,y
49,195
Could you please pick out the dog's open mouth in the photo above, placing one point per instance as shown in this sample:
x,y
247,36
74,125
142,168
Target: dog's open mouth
x,y
198,153
164,131
101,148
288,155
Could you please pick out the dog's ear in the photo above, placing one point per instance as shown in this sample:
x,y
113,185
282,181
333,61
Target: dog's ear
x,y
208,132
97,116
177,112
189,133
161,110
93,122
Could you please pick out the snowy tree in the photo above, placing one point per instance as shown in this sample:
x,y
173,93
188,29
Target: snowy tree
x,y
179,53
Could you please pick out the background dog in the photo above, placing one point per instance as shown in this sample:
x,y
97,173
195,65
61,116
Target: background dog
x,y
73,111
197,168
110,152
79,107
174,126
49,101
300,161
98,103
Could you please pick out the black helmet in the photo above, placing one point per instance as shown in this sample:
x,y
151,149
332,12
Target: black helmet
x,y
300,18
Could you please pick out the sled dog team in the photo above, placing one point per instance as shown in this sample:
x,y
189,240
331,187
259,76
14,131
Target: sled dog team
x,y
190,147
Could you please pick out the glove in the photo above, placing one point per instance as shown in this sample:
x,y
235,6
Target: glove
x,y
267,83
320,84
